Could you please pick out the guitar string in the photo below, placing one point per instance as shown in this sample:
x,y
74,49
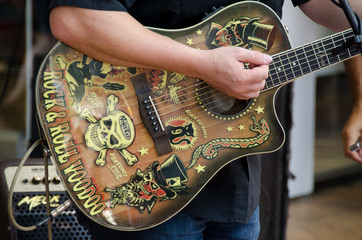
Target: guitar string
x,y
309,66
306,57
284,68
279,55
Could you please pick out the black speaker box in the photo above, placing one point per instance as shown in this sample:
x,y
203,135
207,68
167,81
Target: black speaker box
x,y
29,204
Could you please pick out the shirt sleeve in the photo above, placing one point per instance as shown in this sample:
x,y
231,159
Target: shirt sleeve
x,y
109,5
299,2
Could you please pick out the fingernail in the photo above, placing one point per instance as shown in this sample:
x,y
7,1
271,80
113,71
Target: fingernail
x,y
268,58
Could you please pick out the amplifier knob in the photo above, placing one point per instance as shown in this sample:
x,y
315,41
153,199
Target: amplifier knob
x,y
56,180
43,181
36,180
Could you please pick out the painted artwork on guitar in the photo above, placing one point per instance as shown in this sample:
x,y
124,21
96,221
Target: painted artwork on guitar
x,y
135,146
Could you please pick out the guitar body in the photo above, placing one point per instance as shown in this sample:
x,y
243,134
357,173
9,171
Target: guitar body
x,y
134,146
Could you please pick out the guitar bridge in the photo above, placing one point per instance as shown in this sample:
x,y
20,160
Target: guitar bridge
x,y
149,115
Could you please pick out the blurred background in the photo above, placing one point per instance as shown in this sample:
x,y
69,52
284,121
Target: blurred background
x,y
323,187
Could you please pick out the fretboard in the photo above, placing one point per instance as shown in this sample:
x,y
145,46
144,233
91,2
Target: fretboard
x,y
297,62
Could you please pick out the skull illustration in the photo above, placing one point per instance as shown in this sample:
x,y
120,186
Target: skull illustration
x,y
113,131
241,32
146,186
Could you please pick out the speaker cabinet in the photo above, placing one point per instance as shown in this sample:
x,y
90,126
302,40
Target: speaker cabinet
x,y
29,204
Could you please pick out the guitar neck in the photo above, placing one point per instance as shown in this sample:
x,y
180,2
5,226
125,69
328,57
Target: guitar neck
x,y
294,63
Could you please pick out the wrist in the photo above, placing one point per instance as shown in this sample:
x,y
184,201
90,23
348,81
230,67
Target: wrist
x,y
195,63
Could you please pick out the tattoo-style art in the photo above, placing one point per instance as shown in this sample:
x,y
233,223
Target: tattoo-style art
x,y
162,81
79,74
210,150
157,181
241,32
181,132
124,139
113,131
200,168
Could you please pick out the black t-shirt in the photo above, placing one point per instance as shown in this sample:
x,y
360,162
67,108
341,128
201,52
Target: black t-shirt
x,y
233,194
165,13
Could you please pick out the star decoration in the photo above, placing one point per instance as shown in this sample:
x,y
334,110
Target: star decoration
x,y
229,129
143,151
200,168
241,127
199,32
259,110
189,41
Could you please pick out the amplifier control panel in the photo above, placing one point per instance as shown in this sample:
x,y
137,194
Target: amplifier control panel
x,y
32,178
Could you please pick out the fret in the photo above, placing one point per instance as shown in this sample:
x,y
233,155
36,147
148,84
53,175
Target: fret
x,y
320,54
354,51
339,41
329,45
278,73
312,58
345,40
304,65
272,74
294,63
268,83
326,61
288,70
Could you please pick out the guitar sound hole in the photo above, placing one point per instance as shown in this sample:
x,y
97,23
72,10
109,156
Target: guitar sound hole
x,y
219,103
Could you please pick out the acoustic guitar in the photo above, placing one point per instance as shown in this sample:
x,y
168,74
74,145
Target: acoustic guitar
x,y
134,146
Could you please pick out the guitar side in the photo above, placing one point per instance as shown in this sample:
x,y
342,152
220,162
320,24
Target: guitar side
x,y
134,146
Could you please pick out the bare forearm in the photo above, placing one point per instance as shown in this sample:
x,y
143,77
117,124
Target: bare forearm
x,y
352,130
325,13
116,38
354,73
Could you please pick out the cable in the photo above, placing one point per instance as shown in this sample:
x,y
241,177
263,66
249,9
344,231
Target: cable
x,y
11,192
47,195
50,216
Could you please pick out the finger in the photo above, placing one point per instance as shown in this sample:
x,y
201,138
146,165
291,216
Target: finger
x,y
254,57
258,73
357,156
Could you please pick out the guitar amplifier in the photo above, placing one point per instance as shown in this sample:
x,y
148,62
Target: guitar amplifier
x,y
29,203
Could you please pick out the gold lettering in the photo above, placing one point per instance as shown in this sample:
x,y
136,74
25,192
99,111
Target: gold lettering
x,y
87,193
61,149
62,138
92,201
87,190
53,75
77,176
63,158
53,93
49,103
78,165
59,129
98,208
51,116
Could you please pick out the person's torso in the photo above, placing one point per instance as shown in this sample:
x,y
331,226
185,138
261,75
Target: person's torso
x,y
180,13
